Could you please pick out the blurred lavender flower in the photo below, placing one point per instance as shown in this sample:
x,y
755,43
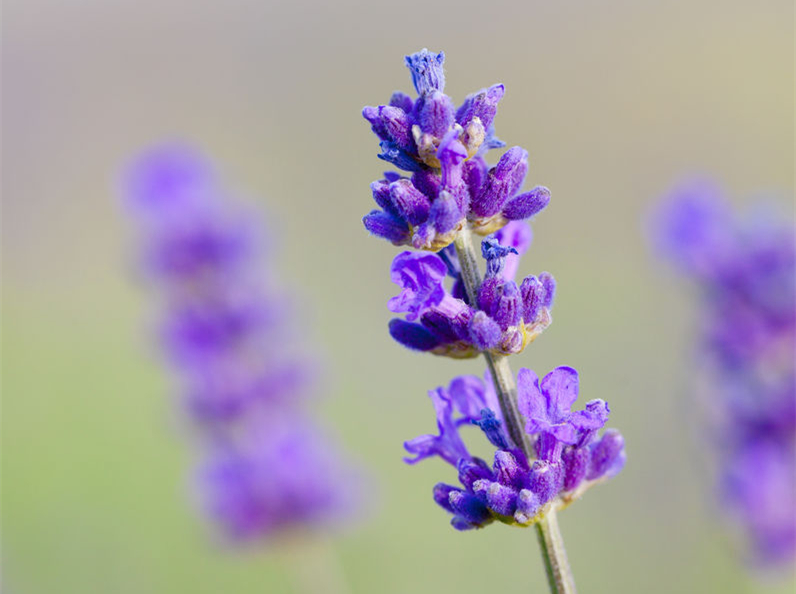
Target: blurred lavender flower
x,y
226,332
443,149
280,473
515,489
745,270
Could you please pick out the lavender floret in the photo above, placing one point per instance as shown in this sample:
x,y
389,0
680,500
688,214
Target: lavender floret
x,y
508,318
571,456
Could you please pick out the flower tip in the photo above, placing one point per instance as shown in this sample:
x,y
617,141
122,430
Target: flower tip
x,y
527,205
384,225
426,69
167,178
370,113
495,92
412,336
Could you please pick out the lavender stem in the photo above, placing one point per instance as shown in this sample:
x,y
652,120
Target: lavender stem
x,y
314,566
554,554
505,384
559,574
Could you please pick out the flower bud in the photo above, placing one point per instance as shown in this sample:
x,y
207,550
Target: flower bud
x,y
527,205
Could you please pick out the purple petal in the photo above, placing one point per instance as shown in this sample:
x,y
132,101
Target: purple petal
x,y
544,481
402,100
442,495
605,454
533,297
412,336
482,105
484,331
560,389
528,505
549,288
434,113
410,203
471,470
501,499
508,309
420,277
445,214
468,393
469,507
451,154
531,403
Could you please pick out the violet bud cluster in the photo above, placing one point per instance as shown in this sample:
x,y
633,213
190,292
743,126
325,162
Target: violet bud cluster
x,y
439,320
571,454
234,355
745,271
448,183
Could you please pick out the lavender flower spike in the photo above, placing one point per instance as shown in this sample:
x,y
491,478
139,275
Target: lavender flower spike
x,y
745,270
451,188
448,194
226,334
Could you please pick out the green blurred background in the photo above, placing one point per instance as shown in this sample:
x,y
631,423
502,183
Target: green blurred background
x,y
615,102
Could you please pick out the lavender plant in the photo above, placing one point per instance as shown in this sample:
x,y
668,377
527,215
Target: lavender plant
x,y
546,454
225,330
744,269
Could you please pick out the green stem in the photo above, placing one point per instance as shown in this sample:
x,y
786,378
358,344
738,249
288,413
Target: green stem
x,y
559,574
502,376
553,553
313,566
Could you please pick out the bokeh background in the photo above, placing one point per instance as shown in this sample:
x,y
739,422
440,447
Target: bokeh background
x,y
615,102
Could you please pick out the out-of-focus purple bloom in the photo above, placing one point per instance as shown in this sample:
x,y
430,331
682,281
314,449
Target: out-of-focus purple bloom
x,y
451,185
693,227
169,182
508,320
228,339
278,474
745,269
571,456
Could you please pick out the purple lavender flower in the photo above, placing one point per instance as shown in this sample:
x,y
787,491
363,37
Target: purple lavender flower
x,y
746,272
448,193
225,332
281,473
460,404
442,147
570,457
507,317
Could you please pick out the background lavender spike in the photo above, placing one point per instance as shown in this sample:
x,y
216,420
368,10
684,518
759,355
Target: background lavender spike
x,y
744,268
232,350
